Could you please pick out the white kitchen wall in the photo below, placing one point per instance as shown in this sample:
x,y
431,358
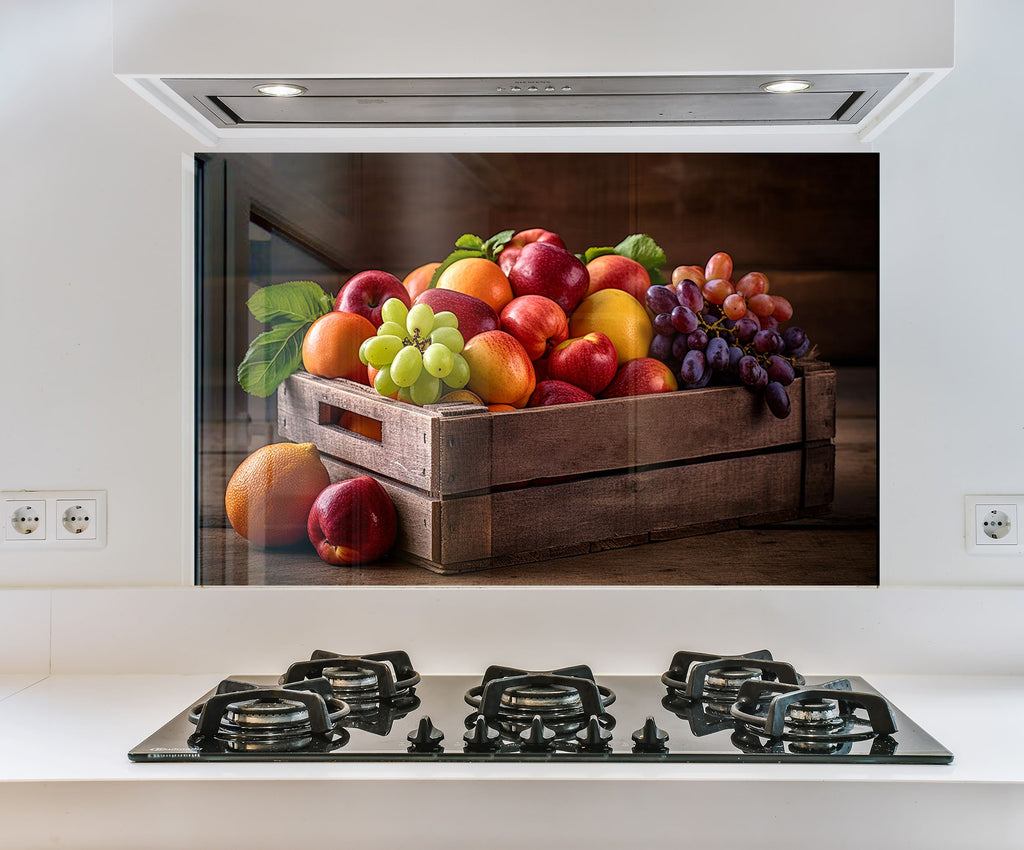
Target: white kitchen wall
x,y
93,347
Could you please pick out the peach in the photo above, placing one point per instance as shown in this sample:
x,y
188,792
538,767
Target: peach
x,y
500,370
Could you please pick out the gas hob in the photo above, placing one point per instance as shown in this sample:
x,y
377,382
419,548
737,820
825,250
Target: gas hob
x,y
704,708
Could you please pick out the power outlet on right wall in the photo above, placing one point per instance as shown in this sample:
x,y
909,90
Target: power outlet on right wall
x,y
992,525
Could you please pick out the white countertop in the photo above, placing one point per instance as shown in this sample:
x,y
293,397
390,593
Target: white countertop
x,y
64,740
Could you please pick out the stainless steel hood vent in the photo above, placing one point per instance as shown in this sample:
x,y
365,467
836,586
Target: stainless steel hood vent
x,y
612,101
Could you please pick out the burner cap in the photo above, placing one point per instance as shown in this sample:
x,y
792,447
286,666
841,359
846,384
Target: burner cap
x,y
268,714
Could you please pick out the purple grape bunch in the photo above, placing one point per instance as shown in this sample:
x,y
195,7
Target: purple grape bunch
x,y
700,345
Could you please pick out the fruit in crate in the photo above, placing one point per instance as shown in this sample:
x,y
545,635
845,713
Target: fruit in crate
x,y
352,522
588,362
709,328
418,280
366,292
500,370
269,495
537,322
474,315
417,353
479,277
330,348
613,271
543,268
549,392
514,247
620,317
643,376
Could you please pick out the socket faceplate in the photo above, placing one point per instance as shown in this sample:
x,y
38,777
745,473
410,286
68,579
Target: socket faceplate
x,y
991,525
54,519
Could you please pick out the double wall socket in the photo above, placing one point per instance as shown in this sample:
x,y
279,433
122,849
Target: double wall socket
x,y
992,525
54,519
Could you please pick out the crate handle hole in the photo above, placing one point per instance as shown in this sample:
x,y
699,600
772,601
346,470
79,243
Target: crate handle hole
x,y
348,420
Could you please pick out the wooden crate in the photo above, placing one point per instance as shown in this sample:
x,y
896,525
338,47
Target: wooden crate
x,y
475,489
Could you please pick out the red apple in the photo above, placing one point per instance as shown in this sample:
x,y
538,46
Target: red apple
x,y
365,292
642,376
545,269
537,322
557,392
352,522
510,253
590,362
475,316
613,271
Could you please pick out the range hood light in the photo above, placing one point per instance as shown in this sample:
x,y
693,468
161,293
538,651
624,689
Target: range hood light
x,y
786,86
280,89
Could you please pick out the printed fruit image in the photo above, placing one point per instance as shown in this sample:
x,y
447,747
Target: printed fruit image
x,y
417,353
537,322
620,317
514,247
367,291
545,269
643,376
330,348
588,362
418,280
500,370
613,271
557,392
352,522
270,493
474,315
480,278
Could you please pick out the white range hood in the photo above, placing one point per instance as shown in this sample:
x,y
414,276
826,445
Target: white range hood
x,y
662,68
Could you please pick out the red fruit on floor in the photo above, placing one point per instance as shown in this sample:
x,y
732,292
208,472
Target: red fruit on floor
x,y
353,522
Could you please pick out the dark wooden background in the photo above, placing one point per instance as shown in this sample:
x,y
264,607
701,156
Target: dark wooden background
x,y
809,221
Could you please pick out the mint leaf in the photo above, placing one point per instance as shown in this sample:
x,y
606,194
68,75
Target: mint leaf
x,y
469,242
271,358
493,246
592,253
643,249
453,257
294,301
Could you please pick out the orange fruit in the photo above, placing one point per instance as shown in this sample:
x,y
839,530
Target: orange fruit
x,y
480,278
500,408
331,346
419,279
270,493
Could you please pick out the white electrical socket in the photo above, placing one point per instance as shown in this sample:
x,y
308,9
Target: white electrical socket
x,y
24,519
991,525
54,519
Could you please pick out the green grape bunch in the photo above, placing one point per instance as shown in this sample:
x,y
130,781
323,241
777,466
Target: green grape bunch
x,y
417,353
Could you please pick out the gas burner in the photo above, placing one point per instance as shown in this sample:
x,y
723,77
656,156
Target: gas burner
x,y
243,717
717,679
813,719
563,699
366,682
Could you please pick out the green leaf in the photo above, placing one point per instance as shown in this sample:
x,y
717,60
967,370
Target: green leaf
x,y
643,249
294,301
592,253
493,246
271,358
453,257
469,242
